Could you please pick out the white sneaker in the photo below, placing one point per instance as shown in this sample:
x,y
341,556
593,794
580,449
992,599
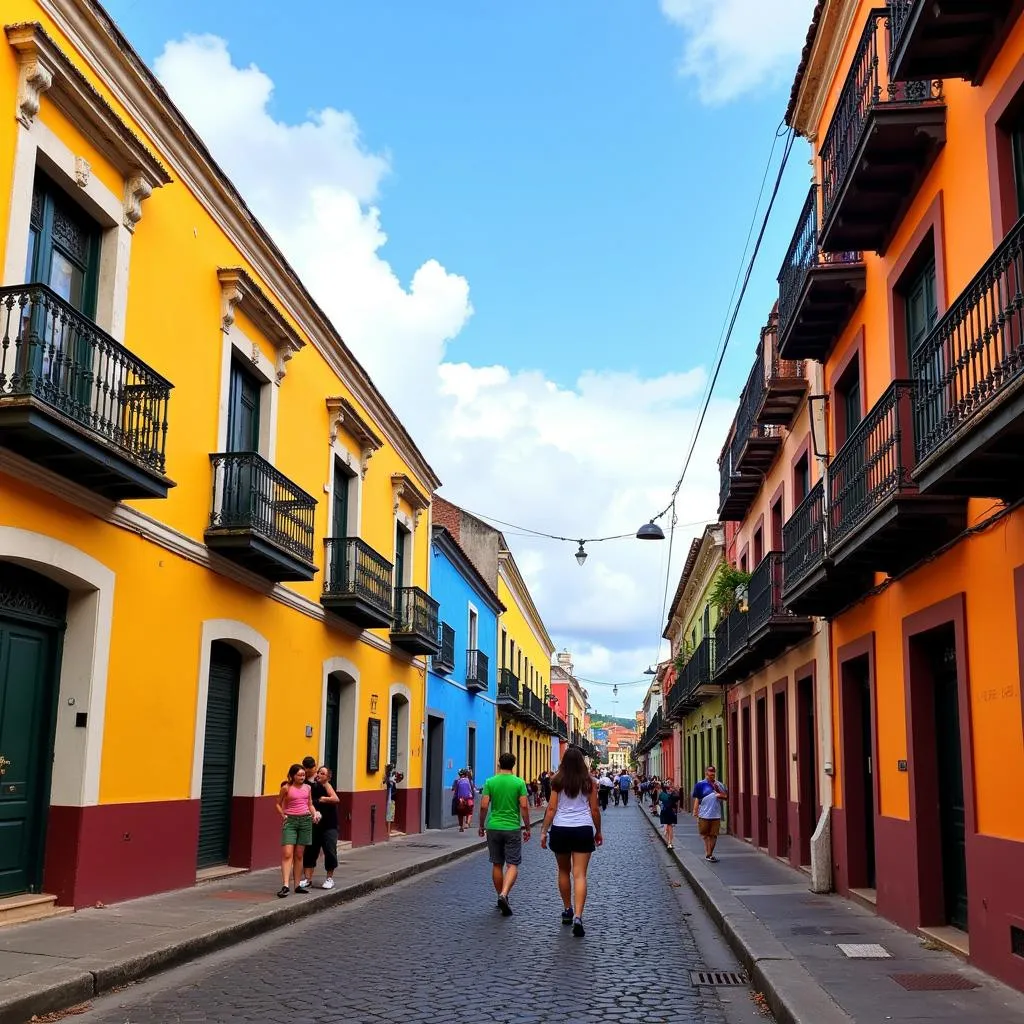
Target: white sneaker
x,y
304,884
328,883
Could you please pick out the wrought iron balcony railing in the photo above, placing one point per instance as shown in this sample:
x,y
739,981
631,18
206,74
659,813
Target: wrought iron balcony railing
x,y
477,672
508,687
249,494
803,536
444,660
51,352
416,617
899,18
355,570
975,353
868,88
873,465
765,593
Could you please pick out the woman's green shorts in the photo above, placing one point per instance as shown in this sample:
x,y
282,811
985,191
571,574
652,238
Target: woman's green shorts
x,y
297,830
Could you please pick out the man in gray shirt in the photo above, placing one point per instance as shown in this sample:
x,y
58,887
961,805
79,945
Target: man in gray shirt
x,y
708,795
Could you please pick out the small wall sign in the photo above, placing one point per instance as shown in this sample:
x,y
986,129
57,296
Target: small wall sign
x,y
373,745
901,766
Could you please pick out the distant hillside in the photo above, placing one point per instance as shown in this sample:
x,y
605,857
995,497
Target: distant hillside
x,y
599,721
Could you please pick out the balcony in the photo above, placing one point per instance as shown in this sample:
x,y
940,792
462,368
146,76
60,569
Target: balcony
x,y
782,384
477,671
969,374
76,402
415,627
444,661
736,491
877,519
697,680
357,584
754,445
818,291
260,519
948,40
508,691
883,139
561,729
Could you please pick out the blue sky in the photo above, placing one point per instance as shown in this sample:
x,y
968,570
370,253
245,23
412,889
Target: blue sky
x,y
527,223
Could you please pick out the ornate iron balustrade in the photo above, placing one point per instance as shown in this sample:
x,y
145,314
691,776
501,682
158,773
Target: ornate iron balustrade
x,y
477,672
51,352
561,728
765,592
803,255
416,612
779,368
751,401
250,494
444,660
508,687
803,536
725,476
899,16
353,567
874,464
867,88
976,350
699,670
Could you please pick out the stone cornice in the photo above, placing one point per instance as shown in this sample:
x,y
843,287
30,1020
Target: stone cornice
x,y
402,487
822,65
44,68
93,33
343,415
239,291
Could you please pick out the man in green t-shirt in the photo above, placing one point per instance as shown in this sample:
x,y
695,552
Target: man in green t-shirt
x,y
504,797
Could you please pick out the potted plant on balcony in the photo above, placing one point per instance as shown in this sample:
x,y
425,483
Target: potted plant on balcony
x,y
729,590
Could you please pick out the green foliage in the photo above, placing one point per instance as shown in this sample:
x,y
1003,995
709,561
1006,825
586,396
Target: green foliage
x,y
684,652
723,591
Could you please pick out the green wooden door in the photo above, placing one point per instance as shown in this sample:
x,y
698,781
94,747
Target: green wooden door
x,y
332,726
219,756
401,533
339,567
393,745
27,654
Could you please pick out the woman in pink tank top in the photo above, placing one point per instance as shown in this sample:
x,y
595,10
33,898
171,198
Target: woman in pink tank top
x,y
295,805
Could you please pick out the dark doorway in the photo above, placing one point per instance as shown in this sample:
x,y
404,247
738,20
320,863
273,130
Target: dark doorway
x,y
31,623
762,771
219,755
938,780
435,772
777,520
748,772
807,764
858,772
781,775
332,726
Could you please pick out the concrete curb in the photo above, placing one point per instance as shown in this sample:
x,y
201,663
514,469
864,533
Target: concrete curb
x,y
792,993
63,987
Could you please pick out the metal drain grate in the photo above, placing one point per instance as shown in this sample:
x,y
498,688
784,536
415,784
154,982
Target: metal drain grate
x,y
934,982
717,978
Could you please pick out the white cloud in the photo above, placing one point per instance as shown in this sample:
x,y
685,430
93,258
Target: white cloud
x,y
596,458
735,46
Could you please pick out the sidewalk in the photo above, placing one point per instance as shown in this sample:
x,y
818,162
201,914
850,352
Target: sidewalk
x,y
61,962
788,940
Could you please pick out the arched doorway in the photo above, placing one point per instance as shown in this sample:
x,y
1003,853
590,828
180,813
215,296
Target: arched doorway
x,y
340,707
33,612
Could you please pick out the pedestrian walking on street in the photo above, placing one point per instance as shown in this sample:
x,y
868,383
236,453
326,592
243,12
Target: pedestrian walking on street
x,y
502,804
463,790
390,783
545,785
625,784
708,795
295,805
325,831
604,791
573,821
669,813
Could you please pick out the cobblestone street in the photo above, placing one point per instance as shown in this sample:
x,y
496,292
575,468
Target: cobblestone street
x,y
435,949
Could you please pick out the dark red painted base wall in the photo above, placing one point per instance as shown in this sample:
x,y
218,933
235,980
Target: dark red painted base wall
x,y
896,872
356,810
116,852
255,832
408,804
996,901
795,837
773,832
755,818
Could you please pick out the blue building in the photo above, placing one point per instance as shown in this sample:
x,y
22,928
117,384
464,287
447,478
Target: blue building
x,y
461,720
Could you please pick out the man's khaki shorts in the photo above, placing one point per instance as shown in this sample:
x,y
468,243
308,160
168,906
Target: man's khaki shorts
x,y
709,826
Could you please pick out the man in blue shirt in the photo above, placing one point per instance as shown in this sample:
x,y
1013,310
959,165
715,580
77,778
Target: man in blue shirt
x,y
625,783
708,795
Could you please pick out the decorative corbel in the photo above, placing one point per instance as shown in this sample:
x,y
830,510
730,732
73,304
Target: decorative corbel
x,y
230,297
284,355
397,490
83,171
341,413
33,80
137,189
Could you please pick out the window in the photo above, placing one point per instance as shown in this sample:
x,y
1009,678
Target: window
x,y
504,640
848,402
243,410
341,501
471,749
401,555
921,309
473,642
758,545
801,479
777,521
706,620
1017,145
743,562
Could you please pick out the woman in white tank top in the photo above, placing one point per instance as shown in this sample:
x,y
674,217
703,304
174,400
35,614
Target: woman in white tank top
x,y
573,821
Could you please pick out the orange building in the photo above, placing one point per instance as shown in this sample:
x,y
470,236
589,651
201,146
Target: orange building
x,y
905,282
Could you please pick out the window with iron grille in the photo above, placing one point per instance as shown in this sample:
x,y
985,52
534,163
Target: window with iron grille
x,y
445,661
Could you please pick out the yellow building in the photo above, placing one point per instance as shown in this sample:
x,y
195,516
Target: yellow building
x,y
214,532
527,721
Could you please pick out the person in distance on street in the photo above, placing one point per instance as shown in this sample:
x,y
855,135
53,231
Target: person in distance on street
x,y
295,805
669,812
502,803
708,795
390,783
573,821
